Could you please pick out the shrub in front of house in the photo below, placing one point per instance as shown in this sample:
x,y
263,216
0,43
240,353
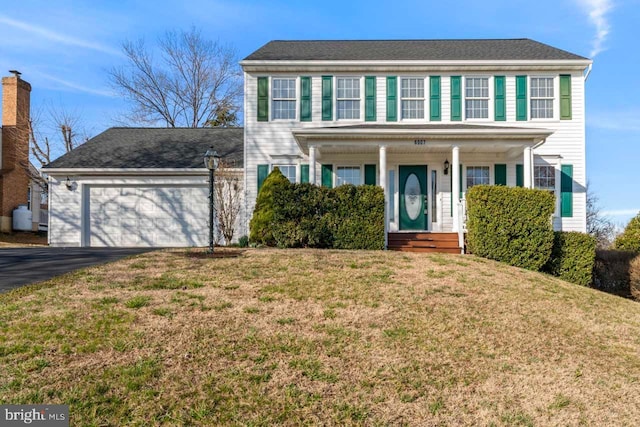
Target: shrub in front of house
x,y
634,277
510,224
572,257
346,217
263,214
629,240
358,217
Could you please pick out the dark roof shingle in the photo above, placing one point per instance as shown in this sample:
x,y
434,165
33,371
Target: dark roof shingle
x,y
154,148
409,50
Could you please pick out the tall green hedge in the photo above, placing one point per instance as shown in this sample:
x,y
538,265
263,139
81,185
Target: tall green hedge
x,y
510,224
260,226
305,215
629,240
573,257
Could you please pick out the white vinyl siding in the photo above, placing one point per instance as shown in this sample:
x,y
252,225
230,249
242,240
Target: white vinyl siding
x,y
283,99
412,98
348,98
476,100
542,97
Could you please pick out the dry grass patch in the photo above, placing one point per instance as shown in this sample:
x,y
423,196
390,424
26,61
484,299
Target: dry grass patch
x,y
320,337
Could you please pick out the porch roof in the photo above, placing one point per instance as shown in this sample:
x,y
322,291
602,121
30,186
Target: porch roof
x,y
419,137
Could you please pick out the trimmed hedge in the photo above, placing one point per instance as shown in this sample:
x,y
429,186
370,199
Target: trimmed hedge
x,y
629,240
305,215
572,257
261,222
510,224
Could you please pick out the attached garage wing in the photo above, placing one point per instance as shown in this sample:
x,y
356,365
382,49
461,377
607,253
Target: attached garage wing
x,y
153,216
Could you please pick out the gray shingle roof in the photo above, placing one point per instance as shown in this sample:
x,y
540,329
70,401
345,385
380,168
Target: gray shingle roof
x,y
390,50
154,148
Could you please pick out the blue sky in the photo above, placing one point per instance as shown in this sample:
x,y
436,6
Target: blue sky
x,y
63,48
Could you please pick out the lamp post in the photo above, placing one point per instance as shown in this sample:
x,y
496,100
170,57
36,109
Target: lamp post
x,y
211,160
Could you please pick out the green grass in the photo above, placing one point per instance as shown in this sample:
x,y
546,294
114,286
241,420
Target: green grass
x,y
311,337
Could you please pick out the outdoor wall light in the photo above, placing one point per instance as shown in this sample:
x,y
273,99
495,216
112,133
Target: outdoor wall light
x,y
69,184
446,167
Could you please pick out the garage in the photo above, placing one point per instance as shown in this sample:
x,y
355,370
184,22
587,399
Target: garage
x,y
139,187
131,216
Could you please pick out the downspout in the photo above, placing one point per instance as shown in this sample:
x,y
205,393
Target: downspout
x,y
586,76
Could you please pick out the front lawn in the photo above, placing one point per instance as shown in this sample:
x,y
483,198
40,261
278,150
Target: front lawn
x,y
320,337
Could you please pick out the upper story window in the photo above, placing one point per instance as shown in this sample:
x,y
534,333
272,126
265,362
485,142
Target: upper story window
x,y
541,97
477,97
412,95
348,98
283,98
289,171
348,175
477,175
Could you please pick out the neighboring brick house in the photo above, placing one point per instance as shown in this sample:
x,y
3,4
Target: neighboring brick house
x,y
14,153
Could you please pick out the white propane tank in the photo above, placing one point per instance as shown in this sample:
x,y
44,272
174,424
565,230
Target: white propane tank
x,y
22,218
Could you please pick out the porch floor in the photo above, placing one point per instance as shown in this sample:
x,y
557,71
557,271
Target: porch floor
x,y
424,241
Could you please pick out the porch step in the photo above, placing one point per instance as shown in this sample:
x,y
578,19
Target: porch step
x,y
424,242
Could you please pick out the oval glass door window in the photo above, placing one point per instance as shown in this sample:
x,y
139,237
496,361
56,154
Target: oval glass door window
x,y
413,197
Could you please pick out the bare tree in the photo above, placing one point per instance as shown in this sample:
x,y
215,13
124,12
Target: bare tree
x,y
598,225
192,82
228,198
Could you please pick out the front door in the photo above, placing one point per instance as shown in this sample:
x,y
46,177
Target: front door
x,y
413,197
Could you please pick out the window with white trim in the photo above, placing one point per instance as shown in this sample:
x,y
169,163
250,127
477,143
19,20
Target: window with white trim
x,y
541,97
348,175
283,98
477,175
544,178
348,98
289,171
476,97
412,98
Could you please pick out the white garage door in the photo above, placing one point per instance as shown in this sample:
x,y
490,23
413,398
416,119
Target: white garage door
x,y
148,216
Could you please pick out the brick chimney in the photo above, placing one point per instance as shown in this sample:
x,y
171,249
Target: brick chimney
x,y
14,154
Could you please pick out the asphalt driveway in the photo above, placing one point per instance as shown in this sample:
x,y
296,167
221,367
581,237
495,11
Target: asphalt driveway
x,y
22,266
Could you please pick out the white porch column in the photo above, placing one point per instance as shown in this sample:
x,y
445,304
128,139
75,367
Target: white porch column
x,y
383,169
527,167
383,183
455,185
312,164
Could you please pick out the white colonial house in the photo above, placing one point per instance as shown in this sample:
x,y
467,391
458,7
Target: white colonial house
x,y
424,119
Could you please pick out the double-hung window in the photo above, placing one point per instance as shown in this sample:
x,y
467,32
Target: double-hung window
x,y
541,97
348,98
289,171
477,175
283,98
544,178
477,97
412,94
348,175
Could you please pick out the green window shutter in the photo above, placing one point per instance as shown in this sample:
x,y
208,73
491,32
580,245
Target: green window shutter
x,y
305,99
456,98
370,99
565,97
370,174
304,173
263,172
500,106
521,98
434,98
327,98
263,99
327,176
392,99
519,175
500,174
566,191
